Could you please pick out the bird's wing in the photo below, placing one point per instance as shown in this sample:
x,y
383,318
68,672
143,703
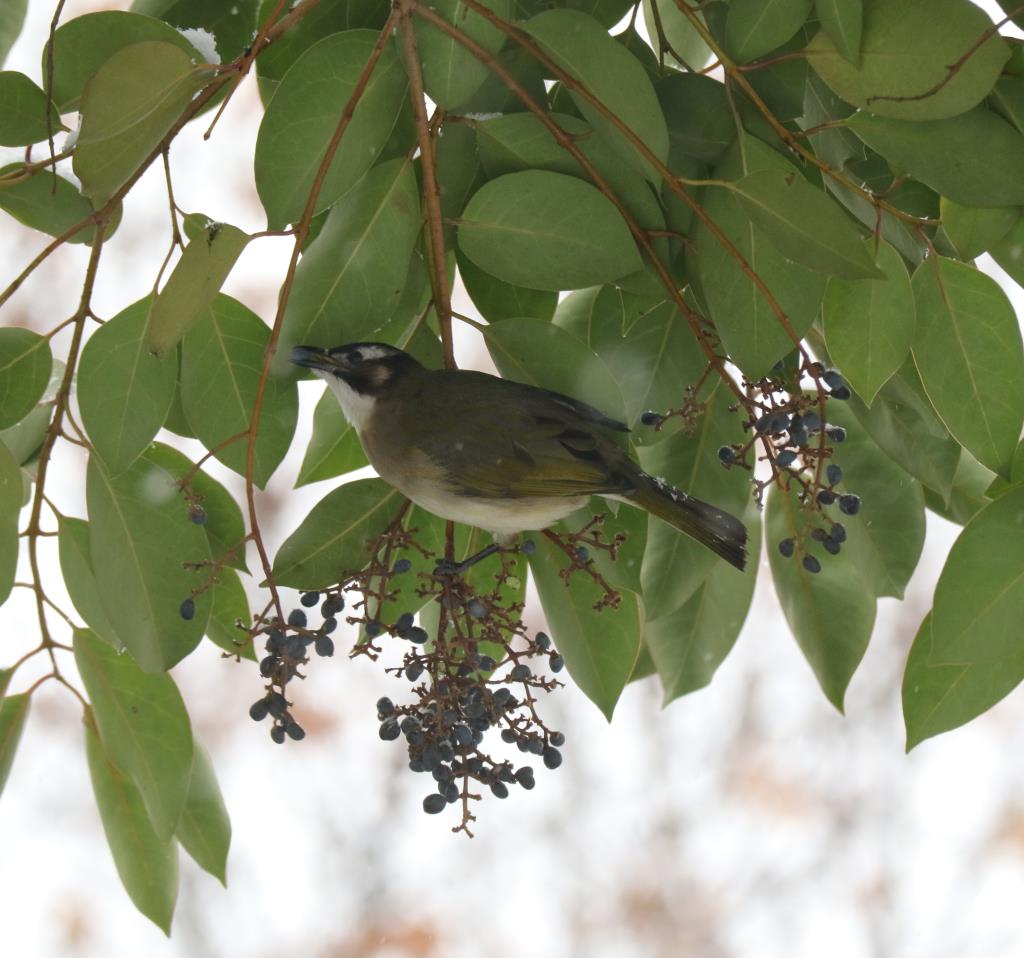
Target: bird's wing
x,y
537,446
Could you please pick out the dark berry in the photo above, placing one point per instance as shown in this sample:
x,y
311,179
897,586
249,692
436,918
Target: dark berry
x,y
527,547
187,609
785,458
277,704
834,473
267,666
373,629
309,599
277,734
786,547
798,436
535,746
417,635
385,706
404,623
413,671
434,803
557,739
275,642
811,564
329,625
324,646
831,546
552,757
762,423
198,515
543,640
295,731
778,423
462,735
296,648
258,710
812,422
477,609
849,505
650,418
520,673
524,776
451,793
825,497
839,532
332,606
557,663
833,378
507,735
841,393
499,789
485,663
819,535
836,433
726,454
402,565
583,553
297,618
389,730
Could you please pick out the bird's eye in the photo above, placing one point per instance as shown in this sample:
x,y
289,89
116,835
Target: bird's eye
x,y
355,356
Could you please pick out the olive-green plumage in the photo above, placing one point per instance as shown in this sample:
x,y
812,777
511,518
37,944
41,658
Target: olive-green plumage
x,y
497,454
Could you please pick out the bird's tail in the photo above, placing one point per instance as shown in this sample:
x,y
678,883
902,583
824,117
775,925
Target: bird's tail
x,y
722,533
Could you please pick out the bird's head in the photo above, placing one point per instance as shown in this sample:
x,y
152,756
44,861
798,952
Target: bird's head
x,y
368,369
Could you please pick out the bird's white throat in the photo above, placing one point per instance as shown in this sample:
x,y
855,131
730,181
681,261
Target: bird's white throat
x,y
355,406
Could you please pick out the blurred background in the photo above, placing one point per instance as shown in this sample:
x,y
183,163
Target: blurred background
x,y
749,819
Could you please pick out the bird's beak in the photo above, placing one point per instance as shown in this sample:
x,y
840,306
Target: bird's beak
x,y
313,357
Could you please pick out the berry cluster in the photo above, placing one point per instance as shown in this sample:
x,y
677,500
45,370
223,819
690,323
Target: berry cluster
x,y
287,647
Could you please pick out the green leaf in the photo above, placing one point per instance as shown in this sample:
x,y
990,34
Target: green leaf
x,y
583,48
682,41
451,73
906,51
23,111
937,698
973,230
653,363
546,231
804,224
82,45
887,535
350,281
13,712
458,172
979,599
1007,99
44,202
205,829
696,109
907,429
334,448
754,27
968,349
869,323
945,154
230,605
74,543
497,300
224,527
832,612
10,507
12,18
333,538
141,535
127,108
303,114
969,493
1009,252
25,364
689,644
327,17
601,315
600,648
541,354
25,438
230,23
750,330
843,23
143,725
220,373
147,864
675,565
193,285
124,391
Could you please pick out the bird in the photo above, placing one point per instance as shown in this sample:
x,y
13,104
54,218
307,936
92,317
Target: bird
x,y
503,456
